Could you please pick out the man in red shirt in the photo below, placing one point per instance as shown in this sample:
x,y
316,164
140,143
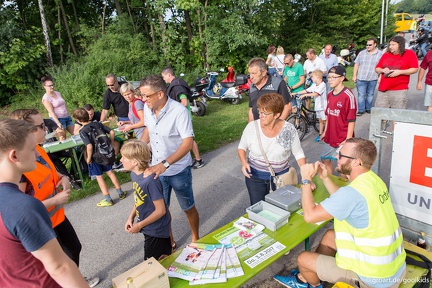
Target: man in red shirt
x,y
341,116
426,64
395,68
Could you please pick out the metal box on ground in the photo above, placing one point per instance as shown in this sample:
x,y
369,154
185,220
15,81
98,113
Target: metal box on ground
x,y
148,274
287,197
267,214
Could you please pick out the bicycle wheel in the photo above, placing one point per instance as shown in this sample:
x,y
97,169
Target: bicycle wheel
x,y
315,122
299,123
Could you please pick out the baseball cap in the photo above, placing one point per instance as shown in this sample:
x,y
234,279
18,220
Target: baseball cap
x,y
339,70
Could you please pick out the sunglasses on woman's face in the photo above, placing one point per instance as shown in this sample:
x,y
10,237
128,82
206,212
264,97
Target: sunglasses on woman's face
x,y
41,126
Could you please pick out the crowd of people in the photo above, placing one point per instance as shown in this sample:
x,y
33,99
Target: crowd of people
x,y
359,216
160,163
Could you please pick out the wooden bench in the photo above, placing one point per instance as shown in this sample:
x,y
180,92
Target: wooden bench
x,y
290,235
414,273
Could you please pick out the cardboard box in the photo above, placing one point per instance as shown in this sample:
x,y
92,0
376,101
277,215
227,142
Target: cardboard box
x,y
148,274
287,197
267,214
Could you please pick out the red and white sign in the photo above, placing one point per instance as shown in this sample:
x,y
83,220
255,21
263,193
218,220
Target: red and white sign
x,y
411,171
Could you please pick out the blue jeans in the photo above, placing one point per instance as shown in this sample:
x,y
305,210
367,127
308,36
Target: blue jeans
x,y
272,71
365,90
423,48
182,185
258,188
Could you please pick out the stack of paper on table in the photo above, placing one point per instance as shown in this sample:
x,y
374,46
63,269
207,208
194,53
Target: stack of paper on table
x,y
251,244
206,263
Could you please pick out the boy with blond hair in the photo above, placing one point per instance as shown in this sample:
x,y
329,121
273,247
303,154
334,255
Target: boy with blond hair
x,y
319,91
150,208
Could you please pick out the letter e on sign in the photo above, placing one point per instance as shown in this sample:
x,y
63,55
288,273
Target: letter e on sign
x,y
421,164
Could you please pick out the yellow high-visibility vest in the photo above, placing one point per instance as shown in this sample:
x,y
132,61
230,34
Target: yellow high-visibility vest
x,y
377,250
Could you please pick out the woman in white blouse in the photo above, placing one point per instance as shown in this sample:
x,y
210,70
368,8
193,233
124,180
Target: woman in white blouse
x,y
279,140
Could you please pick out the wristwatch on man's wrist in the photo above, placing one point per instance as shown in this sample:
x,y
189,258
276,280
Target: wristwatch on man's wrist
x,y
306,182
166,164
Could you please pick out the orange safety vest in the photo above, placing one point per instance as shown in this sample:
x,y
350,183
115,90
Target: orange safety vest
x,y
44,180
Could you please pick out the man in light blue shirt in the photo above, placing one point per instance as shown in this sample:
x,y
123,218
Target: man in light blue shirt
x,y
170,133
364,75
330,61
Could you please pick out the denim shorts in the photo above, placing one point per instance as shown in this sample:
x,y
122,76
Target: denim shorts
x,y
182,185
123,119
95,169
65,122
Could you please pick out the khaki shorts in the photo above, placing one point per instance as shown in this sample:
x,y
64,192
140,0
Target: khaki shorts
x,y
392,99
328,271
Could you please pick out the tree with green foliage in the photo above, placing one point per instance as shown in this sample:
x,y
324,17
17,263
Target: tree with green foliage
x,y
414,6
135,37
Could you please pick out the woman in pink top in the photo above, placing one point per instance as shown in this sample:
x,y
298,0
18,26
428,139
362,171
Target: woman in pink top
x,y
56,106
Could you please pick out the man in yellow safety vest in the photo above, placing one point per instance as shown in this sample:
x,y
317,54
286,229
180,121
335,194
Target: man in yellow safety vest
x,y
366,245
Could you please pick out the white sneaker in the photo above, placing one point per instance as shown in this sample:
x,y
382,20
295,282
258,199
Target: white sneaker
x,y
92,282
117,166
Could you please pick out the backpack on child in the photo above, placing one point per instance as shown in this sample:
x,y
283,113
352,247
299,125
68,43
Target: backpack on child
x,y
103,152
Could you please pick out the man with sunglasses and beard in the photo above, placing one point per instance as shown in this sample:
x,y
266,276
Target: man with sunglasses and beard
x,y
365,249
113,97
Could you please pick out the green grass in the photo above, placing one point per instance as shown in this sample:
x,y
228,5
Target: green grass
x,y
223,123
349,73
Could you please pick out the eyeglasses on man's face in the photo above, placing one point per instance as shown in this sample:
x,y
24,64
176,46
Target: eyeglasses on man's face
x,y
150,95
369,45
333,77
49,85
346,156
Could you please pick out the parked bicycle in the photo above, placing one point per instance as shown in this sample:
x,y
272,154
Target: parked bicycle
x,y
303,117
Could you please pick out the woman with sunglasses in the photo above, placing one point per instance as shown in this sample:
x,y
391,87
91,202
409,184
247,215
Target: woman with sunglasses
x,y
56,106
51,188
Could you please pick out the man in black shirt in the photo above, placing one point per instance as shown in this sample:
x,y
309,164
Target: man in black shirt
x,y
94,116
263,83
113,97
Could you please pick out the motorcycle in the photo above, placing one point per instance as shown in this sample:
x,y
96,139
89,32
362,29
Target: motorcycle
x,y
341,59
228,89
416,47
197,102
348,55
